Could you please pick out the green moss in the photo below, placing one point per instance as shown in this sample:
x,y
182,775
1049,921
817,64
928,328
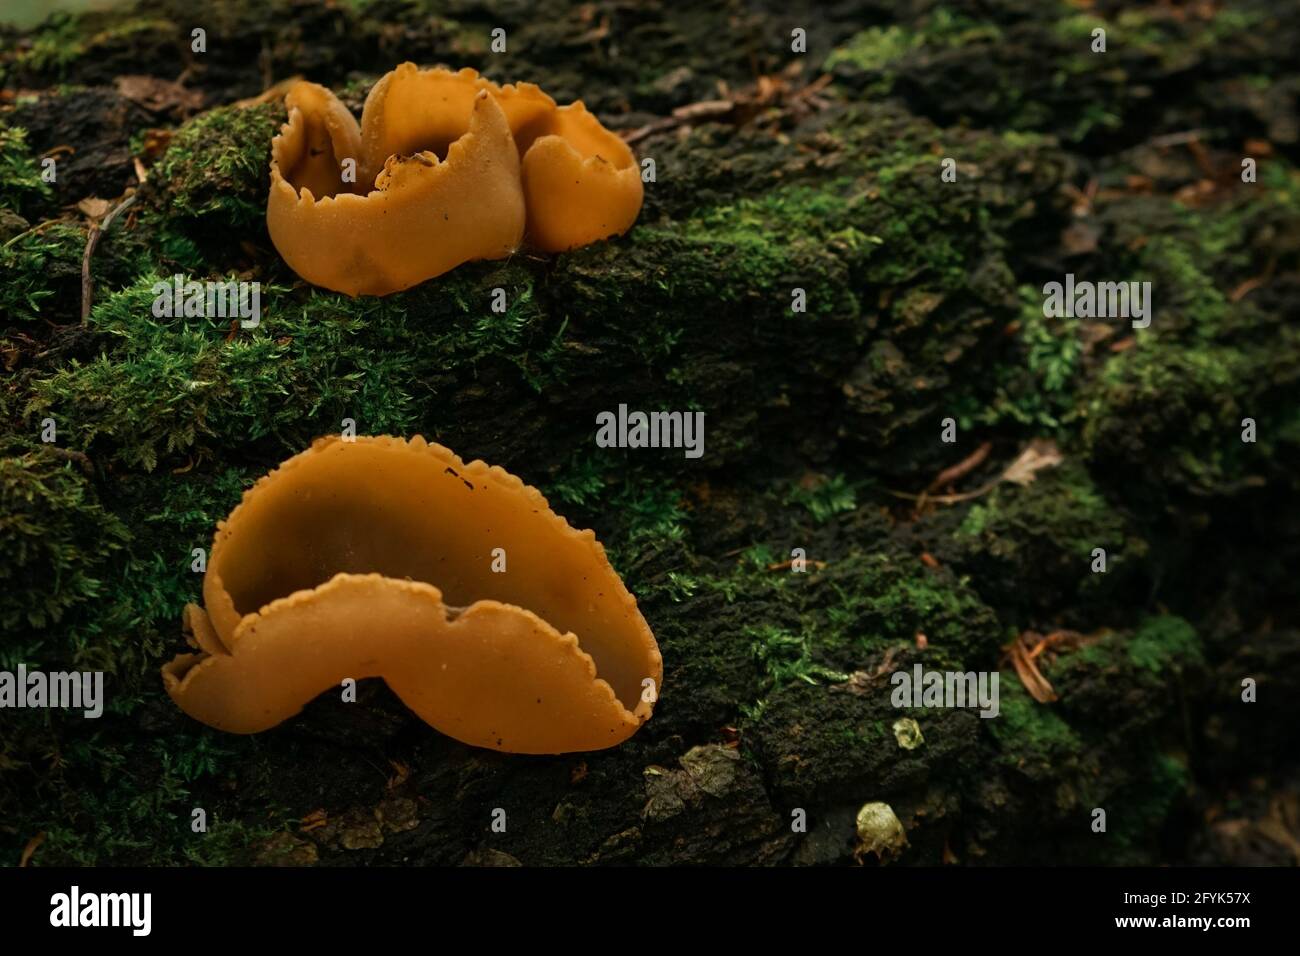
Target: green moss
x,y
177,387
874,51
107,814
794,236
1038,388
36,264
21,186
1045,533
63,42
1138,814
227,842
824,498
902,597
54,45
1031,734
1179,47
1078,27
652,517
1176,409
843,616
100,790
57,540
944,27
215,173
1176,399
165,387
785,657
1164,643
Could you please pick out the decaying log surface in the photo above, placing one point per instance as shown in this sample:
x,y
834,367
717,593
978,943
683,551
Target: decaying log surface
x,y
775,171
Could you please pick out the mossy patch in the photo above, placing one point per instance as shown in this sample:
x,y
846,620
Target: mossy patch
x,y
1165,643
21,187
1032,547
208,190
59,543
1032,735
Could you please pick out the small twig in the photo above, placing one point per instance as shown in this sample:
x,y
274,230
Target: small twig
x,y
1037,455
1250,285
948,499
787,565
708,109
27,232
32,846
766,91
1176,139
92,241
962,468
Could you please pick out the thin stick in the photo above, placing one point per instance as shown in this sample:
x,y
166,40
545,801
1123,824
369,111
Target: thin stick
x,y
962,468
92,241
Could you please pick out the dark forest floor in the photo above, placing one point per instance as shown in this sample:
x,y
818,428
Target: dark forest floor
x,y
819,171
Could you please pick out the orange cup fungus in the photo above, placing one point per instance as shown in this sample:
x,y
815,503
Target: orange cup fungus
x,y
446,167
485,612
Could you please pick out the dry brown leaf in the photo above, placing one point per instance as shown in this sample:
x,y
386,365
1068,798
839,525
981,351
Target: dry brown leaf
x,y
1035,683
94,208
949,858
314,821
1041,453
158,95
860,682
401,773
1080,238
155,144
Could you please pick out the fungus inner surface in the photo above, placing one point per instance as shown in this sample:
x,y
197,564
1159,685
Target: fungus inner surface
x,y
407,513
316,167
321,133
416,120
589,139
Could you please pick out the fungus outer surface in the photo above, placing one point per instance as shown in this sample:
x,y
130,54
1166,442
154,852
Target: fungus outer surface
x,y
424,216
373,558
581,183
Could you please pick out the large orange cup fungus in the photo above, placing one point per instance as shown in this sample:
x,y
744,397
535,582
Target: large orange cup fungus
x,y
445,167
485,612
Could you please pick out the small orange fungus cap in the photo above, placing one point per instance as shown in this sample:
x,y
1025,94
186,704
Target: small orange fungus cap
x,y
446,167
419,215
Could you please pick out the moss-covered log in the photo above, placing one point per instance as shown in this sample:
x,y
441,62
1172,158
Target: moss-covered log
x,y
924,303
